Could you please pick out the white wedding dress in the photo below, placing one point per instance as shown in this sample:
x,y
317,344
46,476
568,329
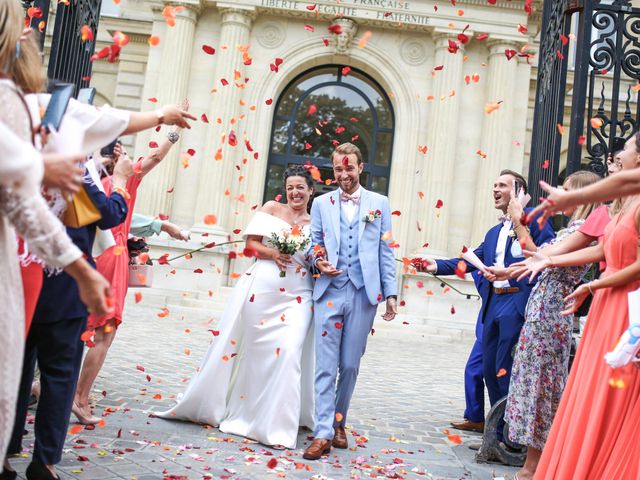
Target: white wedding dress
x,y
256,379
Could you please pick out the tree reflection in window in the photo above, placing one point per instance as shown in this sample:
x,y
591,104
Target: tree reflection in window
x,y
323,108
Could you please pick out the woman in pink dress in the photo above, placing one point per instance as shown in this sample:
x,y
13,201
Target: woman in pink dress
x,y
594,434
114,265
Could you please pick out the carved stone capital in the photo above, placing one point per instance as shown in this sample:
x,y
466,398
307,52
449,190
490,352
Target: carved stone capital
x,y
441,39
232,14
497,46
342,41
192,8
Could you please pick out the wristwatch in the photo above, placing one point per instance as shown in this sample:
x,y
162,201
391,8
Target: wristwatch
x,y
173,137
395,297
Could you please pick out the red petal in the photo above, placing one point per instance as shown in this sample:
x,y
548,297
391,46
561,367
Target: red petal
x,y
233,141
208,49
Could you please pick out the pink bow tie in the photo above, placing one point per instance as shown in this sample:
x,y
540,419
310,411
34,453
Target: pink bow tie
x,y
504,218
345,197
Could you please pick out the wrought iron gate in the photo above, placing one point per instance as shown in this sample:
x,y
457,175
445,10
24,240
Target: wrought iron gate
x,y
604,54
69,59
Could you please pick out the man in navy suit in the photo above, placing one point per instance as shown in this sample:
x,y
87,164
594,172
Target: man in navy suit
x,y
503,302
54,341
474,378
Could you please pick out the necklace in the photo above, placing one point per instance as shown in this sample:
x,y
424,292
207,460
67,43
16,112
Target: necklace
x,y
295,220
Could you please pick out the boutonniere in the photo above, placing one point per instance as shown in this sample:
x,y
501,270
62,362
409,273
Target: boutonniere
x,y
371,216
512,233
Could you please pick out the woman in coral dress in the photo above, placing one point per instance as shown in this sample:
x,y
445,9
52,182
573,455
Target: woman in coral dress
x,y
114,265
595,435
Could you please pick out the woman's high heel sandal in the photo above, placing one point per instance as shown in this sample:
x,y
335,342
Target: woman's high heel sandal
x,y
84,419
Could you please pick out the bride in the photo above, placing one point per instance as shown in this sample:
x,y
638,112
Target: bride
x,y
256,379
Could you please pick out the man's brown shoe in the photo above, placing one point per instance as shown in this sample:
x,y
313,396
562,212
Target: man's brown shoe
x,y
318,447
340,438
469,426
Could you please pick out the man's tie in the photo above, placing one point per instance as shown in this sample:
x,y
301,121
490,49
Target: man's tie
x,y
345,197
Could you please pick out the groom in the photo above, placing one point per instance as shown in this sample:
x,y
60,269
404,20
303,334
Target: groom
x,y
357,267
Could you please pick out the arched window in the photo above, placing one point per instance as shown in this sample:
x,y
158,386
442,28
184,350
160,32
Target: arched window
x,y
323,108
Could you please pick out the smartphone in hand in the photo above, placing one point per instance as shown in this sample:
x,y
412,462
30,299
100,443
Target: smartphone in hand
x,y
58,103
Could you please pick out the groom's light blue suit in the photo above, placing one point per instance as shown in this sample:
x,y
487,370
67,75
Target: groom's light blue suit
x,y
345,305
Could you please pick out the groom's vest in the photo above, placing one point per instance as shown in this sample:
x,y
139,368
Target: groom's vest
x,y
349,256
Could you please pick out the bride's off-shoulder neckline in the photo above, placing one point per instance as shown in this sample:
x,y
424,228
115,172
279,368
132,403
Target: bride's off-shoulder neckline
x,y
283,220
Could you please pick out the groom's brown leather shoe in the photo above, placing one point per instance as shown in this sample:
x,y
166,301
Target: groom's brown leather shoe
x,y
318,447
340,438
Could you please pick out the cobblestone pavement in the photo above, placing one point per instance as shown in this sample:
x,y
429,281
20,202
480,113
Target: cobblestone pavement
x,y
410,386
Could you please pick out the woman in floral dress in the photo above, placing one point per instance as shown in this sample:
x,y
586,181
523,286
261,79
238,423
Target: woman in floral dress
x,y
541,363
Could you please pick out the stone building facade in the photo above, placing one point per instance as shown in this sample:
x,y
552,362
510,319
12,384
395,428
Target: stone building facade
x,y
436,126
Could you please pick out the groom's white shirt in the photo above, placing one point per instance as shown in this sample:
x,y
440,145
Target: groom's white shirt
x,y
350,208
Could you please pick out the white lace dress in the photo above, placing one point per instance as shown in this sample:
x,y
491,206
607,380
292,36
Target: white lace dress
x,y
256,380
21,208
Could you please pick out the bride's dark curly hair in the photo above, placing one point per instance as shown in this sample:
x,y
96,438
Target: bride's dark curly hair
x,y
297,171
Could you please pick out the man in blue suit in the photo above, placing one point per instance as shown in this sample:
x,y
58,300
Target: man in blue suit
x,y
350,228
503,302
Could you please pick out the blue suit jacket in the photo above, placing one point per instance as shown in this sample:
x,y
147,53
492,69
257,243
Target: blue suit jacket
x,y
486,252
59,298
376,256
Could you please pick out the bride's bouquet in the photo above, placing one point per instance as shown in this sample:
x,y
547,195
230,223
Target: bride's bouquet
x,y
289,241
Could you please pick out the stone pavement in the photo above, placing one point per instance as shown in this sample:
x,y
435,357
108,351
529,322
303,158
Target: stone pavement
x,y
410,386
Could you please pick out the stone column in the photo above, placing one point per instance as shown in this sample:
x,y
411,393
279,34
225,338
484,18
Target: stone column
x,y
436,180
217,173
497,133
175,67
